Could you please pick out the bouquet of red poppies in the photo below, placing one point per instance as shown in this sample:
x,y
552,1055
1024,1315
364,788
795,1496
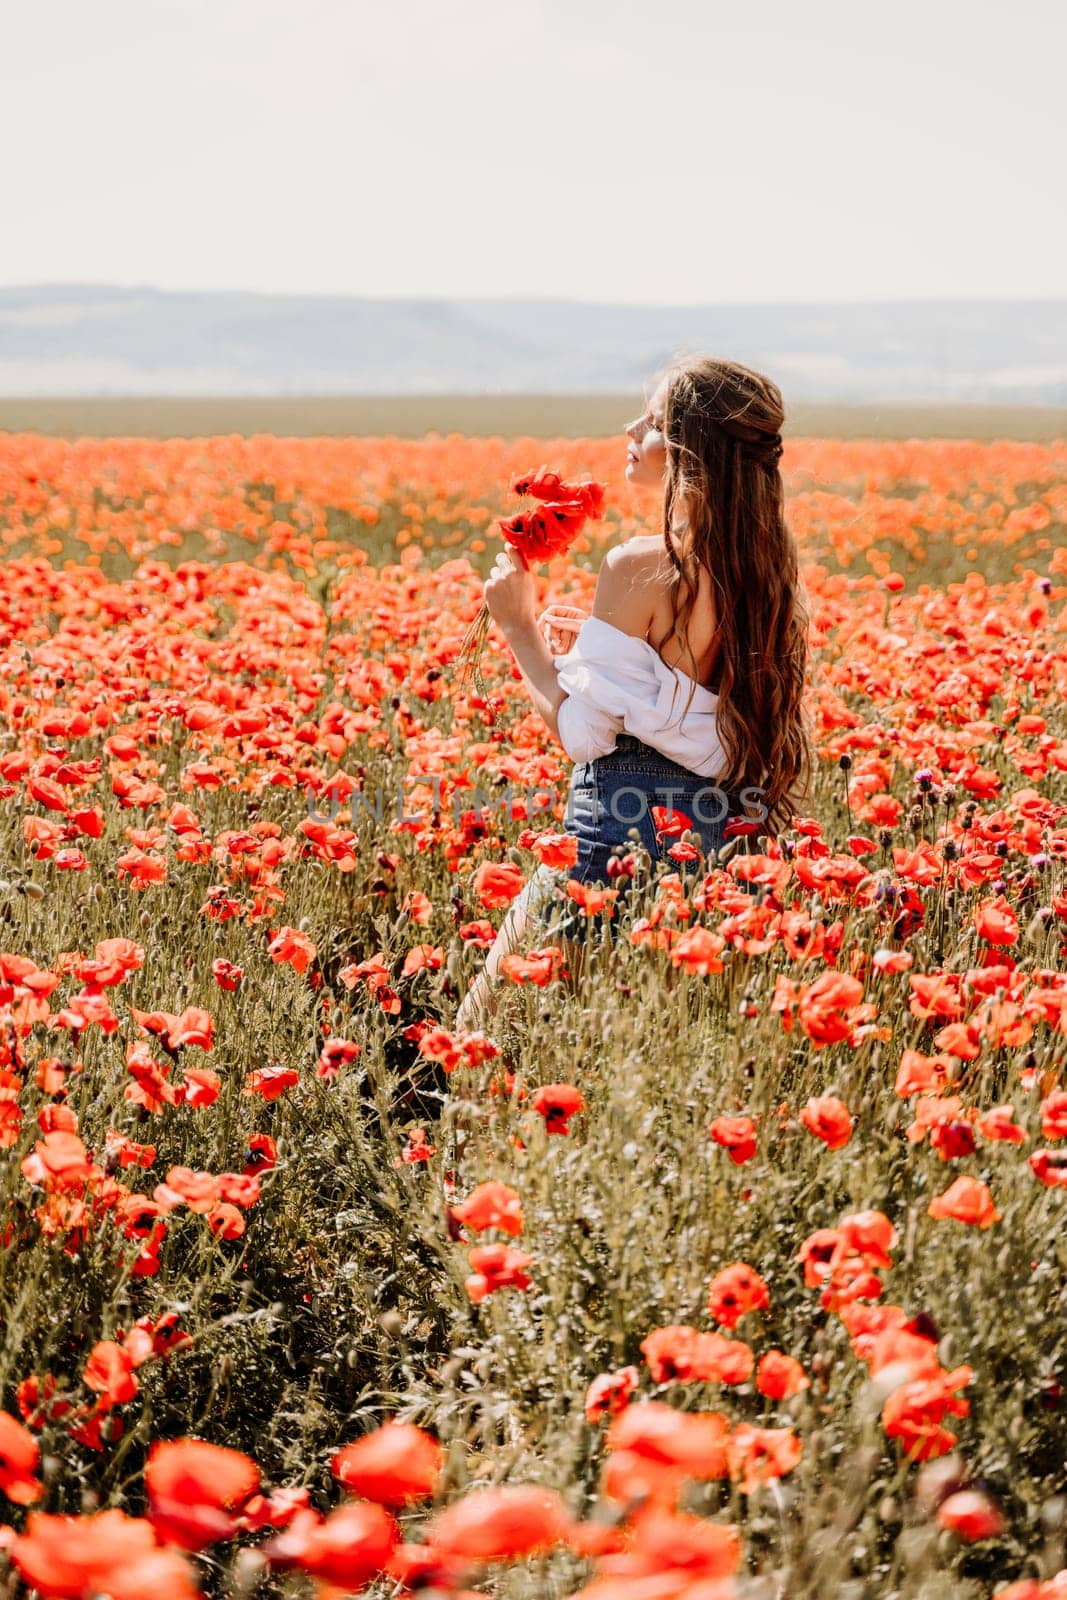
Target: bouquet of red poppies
x,y
548,529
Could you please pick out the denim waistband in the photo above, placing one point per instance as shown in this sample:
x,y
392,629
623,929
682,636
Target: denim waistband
x,y
632,755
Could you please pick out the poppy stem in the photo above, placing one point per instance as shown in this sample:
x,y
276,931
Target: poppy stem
x,y
467,666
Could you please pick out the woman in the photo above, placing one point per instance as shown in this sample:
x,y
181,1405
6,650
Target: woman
x,y
708,613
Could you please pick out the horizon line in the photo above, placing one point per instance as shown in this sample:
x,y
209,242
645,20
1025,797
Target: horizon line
x,y
532,299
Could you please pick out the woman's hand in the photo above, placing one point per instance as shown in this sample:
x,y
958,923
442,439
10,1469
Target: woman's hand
x,y
510,592
559,626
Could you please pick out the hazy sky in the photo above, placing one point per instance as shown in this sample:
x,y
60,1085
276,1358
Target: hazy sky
x,y
600,149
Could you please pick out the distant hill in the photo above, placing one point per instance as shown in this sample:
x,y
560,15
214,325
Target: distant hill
x,y
103,340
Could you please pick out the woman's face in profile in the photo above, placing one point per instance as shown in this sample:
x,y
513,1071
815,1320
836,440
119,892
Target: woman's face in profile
x,y
646,454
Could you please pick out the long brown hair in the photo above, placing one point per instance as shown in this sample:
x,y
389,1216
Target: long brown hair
x,y
721,429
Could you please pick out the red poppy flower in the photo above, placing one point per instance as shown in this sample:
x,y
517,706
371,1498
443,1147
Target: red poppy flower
x,y
491,1205
438,1044
197,1190
395,1464
225,1221
417,1148
58,1161
262,1154
610,1393
270,1082
694,1442
828,1119
348,1548
998,1125
967,1200
496,883
547,531
422,958
226,974
1050,1168
692,1550
686,1355
504,1524
200,1086
734,1292
1054,1115
699,951
869,1234
335,1054
919,1074
538,967
196,1490
19,1457
37,1406
591,899
972,1515
109,1553
737,1135
755,1455
637,1480
418,1567
996,922
953,1140
670,824
779,1376
496,1266
557,1103
109,1371
914,1413
292,946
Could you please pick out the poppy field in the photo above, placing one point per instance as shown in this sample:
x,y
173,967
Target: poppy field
x,y
733,1266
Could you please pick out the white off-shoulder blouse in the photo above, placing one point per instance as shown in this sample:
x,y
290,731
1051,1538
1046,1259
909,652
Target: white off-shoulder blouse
x,y
616,683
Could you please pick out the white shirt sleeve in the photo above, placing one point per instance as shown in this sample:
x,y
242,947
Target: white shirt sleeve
x,y
616,683
585,731
593,715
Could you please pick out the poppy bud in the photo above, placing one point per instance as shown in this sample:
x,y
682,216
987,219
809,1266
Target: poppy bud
x,y
248,1569
392,1323
1051,1394
971,1515
1053,1512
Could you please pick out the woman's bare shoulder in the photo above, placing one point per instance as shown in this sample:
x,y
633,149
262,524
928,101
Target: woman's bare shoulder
x,y
645,544
642,557
628,585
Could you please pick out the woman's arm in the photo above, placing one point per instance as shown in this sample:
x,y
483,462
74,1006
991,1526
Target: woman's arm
x,y
538,671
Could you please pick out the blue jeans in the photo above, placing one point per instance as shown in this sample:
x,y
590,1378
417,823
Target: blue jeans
x,y
607,798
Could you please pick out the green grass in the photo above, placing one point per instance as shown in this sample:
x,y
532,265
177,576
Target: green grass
x,y
544,416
